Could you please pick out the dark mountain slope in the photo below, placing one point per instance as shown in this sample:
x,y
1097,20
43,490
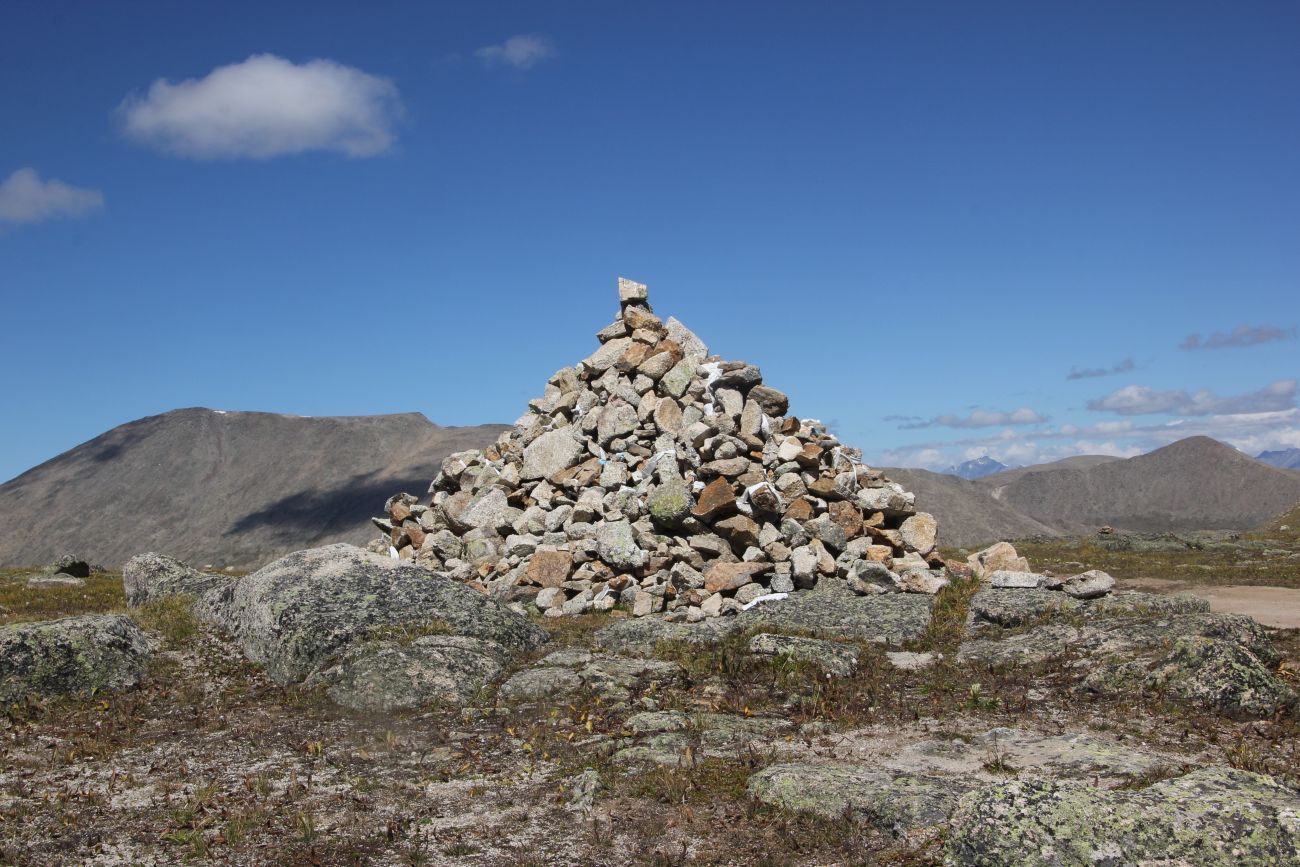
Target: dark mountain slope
x,y
967,514
236,488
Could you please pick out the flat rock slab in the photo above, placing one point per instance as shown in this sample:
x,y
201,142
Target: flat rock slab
x,y
833,657
1214,816
431,670
43,580
895,802
1218,661
72,655
564,673
674,738
1013,607
830,611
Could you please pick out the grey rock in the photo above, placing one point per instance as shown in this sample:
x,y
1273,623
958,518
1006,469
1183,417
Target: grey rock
x,y
892,801
58,579
1088,585
1004,579
431,670
616,545
692,346
72,655
1212,816
551,452
676,381
774,403
832,657
150,576
296,614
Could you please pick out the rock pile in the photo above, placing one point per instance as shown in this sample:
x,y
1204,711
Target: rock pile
x,y
669,479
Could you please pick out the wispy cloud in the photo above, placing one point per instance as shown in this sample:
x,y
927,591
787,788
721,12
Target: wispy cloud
x,y
1249,432
522,51
1124,366
1240,337
25,198
977,419
1140,400
266,107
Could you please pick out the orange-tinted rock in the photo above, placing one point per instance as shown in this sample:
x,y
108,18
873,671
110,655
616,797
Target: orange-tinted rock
x,y
848,517
717,500
800,510
729,576
548,568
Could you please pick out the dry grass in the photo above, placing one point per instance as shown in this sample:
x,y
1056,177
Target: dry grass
x,y
210,762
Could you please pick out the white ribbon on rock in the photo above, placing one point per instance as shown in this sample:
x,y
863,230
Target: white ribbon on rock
x,y
766,597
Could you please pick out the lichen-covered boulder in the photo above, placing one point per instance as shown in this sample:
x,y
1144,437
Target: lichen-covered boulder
x,y
391,675
567,672
892,801
296,614
1213,673
1213,816
150,576
72,655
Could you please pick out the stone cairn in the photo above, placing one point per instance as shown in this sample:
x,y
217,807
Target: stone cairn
x,y
658,476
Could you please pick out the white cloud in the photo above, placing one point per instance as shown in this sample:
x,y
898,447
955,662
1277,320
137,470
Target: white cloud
x,y
1140,400
25,198
521,51
265,107
978,418
1251,432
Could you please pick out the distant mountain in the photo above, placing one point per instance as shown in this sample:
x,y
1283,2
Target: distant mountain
x,y
996,481
1194,484
1287,459
1197,483
977,468
229,488
968,514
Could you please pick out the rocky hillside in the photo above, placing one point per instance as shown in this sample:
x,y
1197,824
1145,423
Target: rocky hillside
x,y
966,513
1194,484
236,488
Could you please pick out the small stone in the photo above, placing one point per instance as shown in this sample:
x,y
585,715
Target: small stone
x,y
1088,585
548,568
774,403
747,593
920,532
740,530
549,597
1005,579
908,661
715,501
616,546
999,556
630,291
712,606
922,581
551,452
729,576
644,603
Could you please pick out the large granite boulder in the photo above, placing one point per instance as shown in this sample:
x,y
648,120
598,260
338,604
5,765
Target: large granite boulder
x,y
72,655
330,614
150,576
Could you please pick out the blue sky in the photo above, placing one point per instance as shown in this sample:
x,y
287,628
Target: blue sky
x,y
919,218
